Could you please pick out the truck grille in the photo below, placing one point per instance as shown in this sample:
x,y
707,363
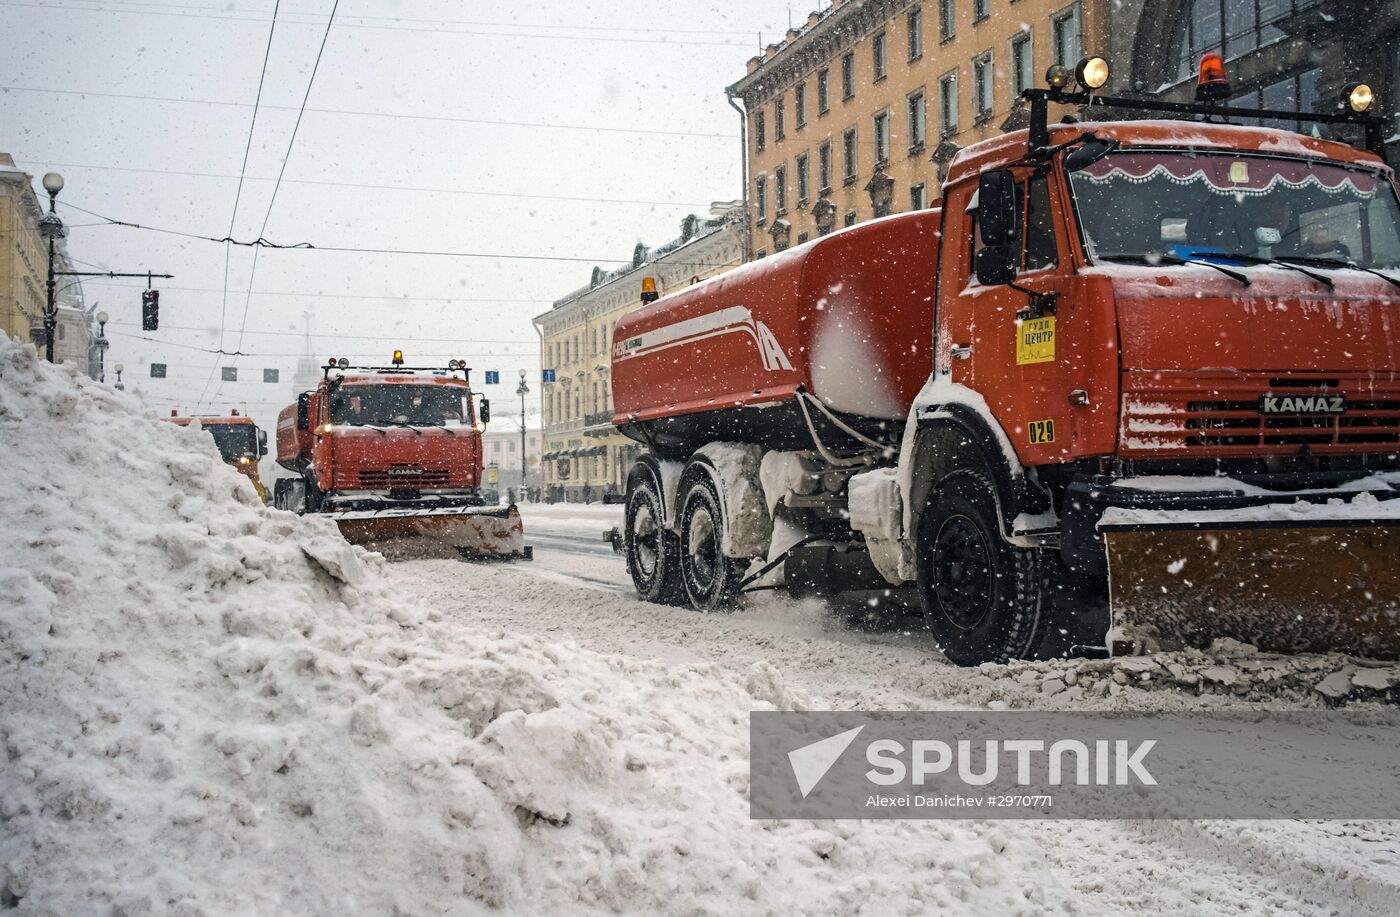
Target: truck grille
x,y
402,477
1220,415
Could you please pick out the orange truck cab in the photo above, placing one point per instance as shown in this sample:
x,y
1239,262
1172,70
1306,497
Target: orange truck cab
x,y
239,441
382,437
1137,351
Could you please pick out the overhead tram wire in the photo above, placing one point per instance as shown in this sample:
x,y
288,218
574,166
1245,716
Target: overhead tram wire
x,y
297,294
380,114
511,25
684,42
309,247
516,195
243,170
272,201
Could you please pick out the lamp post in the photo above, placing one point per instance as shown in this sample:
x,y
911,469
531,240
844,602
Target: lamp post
x,y
522,391
52,228
119,387
101,348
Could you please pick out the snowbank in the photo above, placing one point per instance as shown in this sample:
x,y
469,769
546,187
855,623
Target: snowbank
x,y
211,707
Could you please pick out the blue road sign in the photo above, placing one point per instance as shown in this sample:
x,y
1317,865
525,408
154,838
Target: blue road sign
x,y
547,375
493,377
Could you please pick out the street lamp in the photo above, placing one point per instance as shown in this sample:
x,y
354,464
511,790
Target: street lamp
x,y
522,391
52,228
101,348
119,387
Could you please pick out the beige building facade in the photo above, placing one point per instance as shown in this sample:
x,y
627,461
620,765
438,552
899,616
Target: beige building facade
x,y
858,113
500,446
584,457
23,253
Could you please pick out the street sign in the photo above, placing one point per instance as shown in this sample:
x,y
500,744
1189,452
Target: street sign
x,y
547,375
270,375
157,370
493,377
230,374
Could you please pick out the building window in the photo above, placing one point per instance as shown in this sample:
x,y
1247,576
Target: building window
x,y
917,121
803,237
982,82
948,103
918,197
824,168
760,132
1064,27
1294,93
916,33
850,219
823,91
779,121
780,191
1022,75
848,150
799,104
803,175
877,53
882,138
1228,26
848,75
947,15
760,193
981,9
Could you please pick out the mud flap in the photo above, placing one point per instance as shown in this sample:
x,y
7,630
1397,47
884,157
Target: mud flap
x,y
471,531
1327,587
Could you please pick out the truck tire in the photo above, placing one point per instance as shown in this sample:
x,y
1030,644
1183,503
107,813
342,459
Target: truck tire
x,y
984,600
710,578
652,552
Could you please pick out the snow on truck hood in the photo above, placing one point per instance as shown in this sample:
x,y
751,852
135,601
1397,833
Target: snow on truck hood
x,y
210,706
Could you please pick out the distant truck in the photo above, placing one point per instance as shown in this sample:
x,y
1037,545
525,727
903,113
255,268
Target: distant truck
x,y
394,455
239,441
1125,361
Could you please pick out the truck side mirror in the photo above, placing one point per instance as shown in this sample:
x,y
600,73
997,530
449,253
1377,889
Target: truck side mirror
x,y
485,412
995,262
304,411
1088,153
262,442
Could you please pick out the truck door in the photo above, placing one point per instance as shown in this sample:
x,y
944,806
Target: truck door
x,y
1017,361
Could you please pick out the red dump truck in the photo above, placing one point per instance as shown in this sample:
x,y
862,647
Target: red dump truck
x,y
1133,385
393,454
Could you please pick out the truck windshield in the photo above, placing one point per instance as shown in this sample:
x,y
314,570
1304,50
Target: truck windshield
x,y
1205,206
234,439
410,405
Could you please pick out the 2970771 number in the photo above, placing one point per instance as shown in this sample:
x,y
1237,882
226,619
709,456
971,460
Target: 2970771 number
x,y
1041,431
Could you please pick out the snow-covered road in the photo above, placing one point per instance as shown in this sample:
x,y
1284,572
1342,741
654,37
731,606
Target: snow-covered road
x,y
577,591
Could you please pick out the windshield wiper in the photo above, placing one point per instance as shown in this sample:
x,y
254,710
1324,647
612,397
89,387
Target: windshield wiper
x,y
1255,259
406,425
1173,259
361,423
1338,263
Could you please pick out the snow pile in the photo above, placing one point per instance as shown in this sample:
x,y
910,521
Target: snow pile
x,y
211,707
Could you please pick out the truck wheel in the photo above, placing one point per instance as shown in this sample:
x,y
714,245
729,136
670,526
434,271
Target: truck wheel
x,y
984,600
711,579
652,552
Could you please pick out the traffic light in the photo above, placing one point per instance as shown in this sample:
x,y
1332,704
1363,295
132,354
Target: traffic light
x,y
150,310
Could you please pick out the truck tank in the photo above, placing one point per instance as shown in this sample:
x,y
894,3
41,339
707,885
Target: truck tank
x,y
846,318
293,445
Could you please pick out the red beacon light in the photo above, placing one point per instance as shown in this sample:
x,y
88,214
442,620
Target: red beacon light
x,y
1213,85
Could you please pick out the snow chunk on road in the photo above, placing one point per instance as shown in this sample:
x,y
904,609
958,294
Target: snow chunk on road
x,y
208,707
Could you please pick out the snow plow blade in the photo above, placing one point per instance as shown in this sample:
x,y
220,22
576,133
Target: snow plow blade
x,y
471,531
1327,586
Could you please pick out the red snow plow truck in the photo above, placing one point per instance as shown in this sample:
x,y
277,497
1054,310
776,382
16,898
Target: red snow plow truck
x,y
1134,385
394,455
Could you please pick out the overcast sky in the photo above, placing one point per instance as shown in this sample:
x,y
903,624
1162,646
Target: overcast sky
x,y
443,174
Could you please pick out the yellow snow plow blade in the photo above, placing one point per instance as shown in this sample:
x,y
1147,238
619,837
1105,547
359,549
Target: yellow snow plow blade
x,y
472,531
1329,586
